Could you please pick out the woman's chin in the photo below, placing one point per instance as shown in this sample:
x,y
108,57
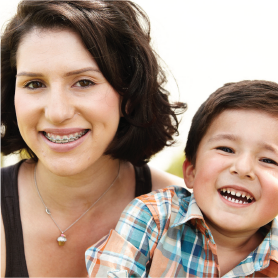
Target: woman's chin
x,y
65,167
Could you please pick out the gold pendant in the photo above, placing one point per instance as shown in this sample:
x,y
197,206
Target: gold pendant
x,y
61,240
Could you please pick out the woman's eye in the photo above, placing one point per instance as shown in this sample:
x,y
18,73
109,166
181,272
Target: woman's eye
x,y
84,83
225,149
34,85
269,161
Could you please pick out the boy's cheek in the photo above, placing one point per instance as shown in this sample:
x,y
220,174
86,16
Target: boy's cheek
x,y
206,176
269,183
270,203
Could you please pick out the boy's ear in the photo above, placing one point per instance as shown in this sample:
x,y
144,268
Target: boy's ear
x,y
188,173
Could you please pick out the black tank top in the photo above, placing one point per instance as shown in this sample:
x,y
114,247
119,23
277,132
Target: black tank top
x,y
15,257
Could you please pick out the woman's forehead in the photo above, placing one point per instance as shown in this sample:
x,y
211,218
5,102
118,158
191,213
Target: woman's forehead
x,y
42,48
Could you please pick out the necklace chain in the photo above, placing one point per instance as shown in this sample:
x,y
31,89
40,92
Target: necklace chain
x,y
49,213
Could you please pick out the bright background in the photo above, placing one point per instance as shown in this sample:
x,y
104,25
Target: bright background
x,y
205,44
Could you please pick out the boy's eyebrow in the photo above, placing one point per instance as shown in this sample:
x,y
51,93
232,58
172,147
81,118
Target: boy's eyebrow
x,y
223,136
269,148
232,137
36,74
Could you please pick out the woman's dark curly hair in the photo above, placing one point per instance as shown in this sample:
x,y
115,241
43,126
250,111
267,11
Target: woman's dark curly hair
x,y
117,34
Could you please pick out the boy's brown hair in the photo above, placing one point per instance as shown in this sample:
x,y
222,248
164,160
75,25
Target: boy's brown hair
x,y
252,95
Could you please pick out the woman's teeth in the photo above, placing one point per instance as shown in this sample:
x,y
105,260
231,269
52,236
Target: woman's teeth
x,y
236,196
64,138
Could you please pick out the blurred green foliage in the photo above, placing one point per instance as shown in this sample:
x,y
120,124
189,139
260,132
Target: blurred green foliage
x,y
24,154
176,167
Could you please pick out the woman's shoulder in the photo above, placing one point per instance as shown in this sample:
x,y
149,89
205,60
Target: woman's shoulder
x,y
162,179
11,169
3,248
7,177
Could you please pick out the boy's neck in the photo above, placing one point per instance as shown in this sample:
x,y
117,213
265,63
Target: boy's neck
x,y
232,248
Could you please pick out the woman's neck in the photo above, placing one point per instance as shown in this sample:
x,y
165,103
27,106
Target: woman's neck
x,y
76,192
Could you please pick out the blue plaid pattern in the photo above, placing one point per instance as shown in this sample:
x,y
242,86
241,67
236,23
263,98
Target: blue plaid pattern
x,y
163,234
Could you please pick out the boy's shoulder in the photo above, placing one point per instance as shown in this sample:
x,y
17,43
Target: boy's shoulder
x,y
165,194
169,195
163,204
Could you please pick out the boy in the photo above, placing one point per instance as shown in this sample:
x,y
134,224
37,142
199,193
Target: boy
x,y
228,226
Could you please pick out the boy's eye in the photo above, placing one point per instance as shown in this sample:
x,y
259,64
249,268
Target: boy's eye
x,y
225,149
34,85
84,83
269,161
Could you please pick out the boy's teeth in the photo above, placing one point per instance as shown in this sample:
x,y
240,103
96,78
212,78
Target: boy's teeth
x,y
238,196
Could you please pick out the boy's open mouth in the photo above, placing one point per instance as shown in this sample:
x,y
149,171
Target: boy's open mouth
x,y
63,139
236,196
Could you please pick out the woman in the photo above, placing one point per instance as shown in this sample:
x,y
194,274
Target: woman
x,y
82,95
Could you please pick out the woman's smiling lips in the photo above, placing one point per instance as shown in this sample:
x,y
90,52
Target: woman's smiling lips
x,y
236,196
64,140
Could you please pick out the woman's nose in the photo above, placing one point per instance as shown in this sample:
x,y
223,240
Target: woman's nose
x,y
243,166
59,107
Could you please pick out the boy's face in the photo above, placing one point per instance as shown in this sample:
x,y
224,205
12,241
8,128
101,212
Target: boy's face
x,y
237,159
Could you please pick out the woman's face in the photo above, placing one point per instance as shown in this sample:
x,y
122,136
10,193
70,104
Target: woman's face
x,y
67,112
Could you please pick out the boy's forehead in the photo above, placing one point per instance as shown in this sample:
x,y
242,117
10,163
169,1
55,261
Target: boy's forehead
x,y
233,124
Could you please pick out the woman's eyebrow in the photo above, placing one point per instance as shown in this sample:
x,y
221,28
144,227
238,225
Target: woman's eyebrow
x,y
81,71
35,74
30,74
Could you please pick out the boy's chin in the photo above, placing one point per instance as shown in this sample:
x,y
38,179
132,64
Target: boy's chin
x,y
230,225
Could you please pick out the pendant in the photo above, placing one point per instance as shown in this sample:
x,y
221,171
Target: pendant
x,y
61,240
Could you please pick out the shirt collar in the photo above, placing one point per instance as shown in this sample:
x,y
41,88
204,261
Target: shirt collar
x,y
273,234
188,209
260,258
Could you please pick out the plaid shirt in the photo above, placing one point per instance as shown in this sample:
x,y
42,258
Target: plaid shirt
x,y
163,234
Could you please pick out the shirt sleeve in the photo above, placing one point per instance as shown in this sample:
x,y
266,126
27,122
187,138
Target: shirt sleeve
x,y
127,250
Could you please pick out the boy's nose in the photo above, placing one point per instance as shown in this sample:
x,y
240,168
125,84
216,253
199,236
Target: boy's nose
x,y
59,108
243,166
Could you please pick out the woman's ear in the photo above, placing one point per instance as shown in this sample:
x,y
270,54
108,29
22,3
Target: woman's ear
x,y
188,173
